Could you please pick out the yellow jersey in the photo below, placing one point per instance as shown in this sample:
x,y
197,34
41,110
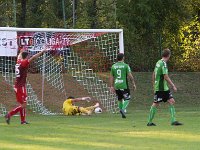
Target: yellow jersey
x,y
69,109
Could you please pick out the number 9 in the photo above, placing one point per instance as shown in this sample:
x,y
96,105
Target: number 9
x,y
119,73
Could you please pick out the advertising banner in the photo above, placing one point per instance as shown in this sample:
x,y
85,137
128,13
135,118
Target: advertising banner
x,y
36,41
8,43
12,41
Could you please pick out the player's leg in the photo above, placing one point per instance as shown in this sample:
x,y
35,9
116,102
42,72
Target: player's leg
x,y
127,97
84,111
125,110
171,102
23,111
18,92
120,104
157,98
12,112
120,97
125,104
88,110
121,110
172,109
152,113
91,108
23,114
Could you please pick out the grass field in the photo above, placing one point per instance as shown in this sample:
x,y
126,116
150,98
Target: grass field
x,y
111,132
103,131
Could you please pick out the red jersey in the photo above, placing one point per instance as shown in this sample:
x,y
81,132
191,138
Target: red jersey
x,y
21,69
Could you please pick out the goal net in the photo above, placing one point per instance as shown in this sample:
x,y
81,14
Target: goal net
x,y
77,64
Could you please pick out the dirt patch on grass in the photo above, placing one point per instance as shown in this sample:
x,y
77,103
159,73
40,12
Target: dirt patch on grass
x,y
52,97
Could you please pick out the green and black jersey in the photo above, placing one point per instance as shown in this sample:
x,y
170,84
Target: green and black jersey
x,y
160,70
120,71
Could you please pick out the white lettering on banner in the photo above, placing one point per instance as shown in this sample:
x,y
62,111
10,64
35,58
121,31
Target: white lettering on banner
x,y
8,43
38,40
25,41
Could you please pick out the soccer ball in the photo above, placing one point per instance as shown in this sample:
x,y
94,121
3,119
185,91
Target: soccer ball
x,y
125,111
98,110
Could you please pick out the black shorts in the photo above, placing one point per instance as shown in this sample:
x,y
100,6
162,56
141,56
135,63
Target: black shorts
x,y
123,94
162,96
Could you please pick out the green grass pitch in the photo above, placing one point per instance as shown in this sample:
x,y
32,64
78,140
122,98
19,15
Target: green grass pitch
x,y
103,132
111,132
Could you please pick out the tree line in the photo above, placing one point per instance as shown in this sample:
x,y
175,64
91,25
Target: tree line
x,y
149,25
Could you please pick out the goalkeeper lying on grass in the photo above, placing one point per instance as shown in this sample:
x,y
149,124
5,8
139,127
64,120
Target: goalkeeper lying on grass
x,y
70,109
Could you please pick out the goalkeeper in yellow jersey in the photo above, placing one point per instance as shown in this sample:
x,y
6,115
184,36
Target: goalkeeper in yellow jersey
x,y
70,109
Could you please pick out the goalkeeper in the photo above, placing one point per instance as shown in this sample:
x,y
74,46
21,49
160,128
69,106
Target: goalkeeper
x,y
70,109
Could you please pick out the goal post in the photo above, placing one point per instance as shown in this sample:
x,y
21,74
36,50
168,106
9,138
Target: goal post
x,y
70,68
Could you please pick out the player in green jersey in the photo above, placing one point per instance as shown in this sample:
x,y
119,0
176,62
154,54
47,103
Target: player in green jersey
x,y
160,81
120,71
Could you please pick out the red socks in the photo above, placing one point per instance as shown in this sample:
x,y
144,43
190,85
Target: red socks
x,y
23,114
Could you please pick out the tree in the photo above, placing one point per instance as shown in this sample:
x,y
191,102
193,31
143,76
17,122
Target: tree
x,y
189,34
149,26
22,16
6,10
92,13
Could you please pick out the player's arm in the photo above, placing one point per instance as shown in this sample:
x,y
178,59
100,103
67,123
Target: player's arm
x,y
111,80
19,56
132,80
37,55
153,79
169,81
128,71
81,99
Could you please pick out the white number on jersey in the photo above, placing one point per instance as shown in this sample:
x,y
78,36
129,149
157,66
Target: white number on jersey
x,y
17,72
119,73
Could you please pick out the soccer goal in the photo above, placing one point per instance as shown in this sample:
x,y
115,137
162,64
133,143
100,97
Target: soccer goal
x,y
77,64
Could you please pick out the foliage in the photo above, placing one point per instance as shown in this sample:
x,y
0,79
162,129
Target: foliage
x,y
149,26
145,23
190,46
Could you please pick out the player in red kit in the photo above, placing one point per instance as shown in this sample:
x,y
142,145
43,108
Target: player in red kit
x,y
21,69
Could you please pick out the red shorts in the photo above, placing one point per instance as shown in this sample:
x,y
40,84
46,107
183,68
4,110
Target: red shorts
x,y
21,94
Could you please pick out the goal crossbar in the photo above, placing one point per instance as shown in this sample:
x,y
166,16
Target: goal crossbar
x,y
120,31
58,30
